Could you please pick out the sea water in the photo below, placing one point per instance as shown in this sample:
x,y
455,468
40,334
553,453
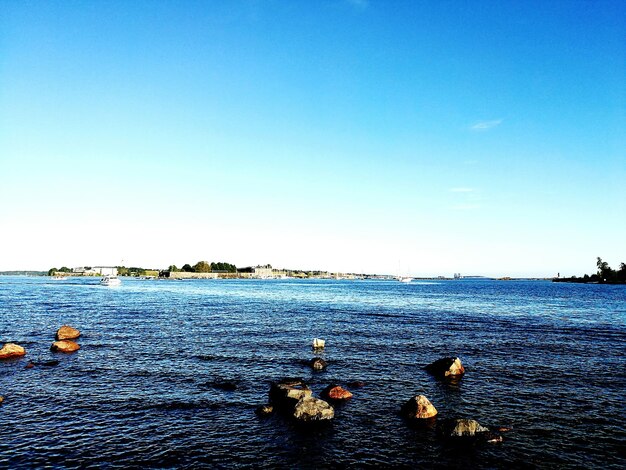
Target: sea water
x,y
147,387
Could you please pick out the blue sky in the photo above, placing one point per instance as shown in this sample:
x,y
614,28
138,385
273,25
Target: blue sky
x,y
354,135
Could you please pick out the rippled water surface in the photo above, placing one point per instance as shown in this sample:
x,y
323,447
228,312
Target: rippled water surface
x,y
145,390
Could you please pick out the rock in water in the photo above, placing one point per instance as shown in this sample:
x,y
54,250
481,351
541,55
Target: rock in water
x,y
11,350
419,407
318,363
313,409
287,392
67,332
335,392
446,367
319,343
1,400
462,428
65,346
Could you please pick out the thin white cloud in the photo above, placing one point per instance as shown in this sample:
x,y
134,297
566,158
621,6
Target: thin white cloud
x,y
461,190
486,125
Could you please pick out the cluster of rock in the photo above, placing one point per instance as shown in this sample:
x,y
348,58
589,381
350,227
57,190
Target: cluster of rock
x,y
65,337
293,397
420,409
64,342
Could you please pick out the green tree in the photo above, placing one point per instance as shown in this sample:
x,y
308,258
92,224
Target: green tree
x,y
173,269
202,267
603,267
187,268
51,271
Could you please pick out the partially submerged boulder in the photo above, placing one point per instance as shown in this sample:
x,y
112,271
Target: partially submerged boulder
x,y
11,350
461,428
318,363
446,367
1,400
318,343
65,346
313,409
336,393
67,332
419,407
469,430
287,392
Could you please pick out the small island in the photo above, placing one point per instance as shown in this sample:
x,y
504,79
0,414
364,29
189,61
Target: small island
x,y
605,275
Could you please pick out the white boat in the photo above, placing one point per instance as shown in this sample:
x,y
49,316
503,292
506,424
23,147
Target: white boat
x,y
110,281
406,280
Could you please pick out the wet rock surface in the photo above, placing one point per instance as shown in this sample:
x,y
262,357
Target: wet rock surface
x,y
318,364
418,407
65,346
447,367
11,350
310,409
336,393
67,332
287,392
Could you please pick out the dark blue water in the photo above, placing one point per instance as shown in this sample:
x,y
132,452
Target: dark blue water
x,y
144,391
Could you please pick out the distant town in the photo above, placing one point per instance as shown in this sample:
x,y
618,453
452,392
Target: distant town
x,y
223,270
215,270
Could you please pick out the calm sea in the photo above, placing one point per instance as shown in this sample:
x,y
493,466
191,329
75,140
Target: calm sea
x,y
146,388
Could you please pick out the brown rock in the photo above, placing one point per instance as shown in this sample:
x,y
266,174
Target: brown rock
x,y
11,350
313,409
335,392
446,367
65,346
419,407
67,332
1,400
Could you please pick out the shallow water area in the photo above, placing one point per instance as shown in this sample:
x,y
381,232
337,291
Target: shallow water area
x,y
147,387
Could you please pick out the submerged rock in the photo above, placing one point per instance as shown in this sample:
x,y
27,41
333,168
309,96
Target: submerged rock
x,y
65,346
356,384
318,363
462,428
313,409
11,350
287,392
335,392
264,410
446,367
419,407
67,332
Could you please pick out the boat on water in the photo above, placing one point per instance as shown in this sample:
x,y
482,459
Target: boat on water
x,y
405,280
110,281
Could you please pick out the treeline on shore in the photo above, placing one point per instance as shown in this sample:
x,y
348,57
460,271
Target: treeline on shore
x,y
205,267
604,275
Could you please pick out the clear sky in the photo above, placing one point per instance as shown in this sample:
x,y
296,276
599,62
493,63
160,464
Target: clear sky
x,y
355,135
